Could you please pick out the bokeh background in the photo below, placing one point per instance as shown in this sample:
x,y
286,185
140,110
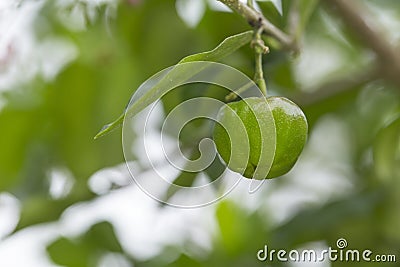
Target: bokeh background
x,y
67,67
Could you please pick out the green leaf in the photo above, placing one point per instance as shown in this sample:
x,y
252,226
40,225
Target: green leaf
x,y
184,179
345,216
305,9
85,250
227,47
386,153
102,236
271,12
61,250
233,226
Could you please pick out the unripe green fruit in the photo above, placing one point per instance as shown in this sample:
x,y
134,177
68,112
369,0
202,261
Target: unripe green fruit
x,y
260,133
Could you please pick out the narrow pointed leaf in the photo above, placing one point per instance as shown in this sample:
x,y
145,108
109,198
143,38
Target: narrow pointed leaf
x,y
227,47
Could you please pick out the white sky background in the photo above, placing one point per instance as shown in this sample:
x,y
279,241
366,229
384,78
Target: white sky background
x,y
141,226
22,57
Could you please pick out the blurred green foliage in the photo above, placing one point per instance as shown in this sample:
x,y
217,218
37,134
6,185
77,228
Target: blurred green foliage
x,y
86,250
51,124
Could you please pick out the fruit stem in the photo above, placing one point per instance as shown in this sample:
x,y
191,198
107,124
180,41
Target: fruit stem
x,y
260,49
233,95
259,76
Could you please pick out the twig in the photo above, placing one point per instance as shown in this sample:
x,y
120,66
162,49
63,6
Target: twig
x,y
257,20
371,35
259,49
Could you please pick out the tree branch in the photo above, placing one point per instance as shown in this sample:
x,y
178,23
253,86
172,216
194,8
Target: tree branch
x,y
257,20
371,34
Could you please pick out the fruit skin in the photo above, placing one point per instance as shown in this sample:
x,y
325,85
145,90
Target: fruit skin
x,y
274,126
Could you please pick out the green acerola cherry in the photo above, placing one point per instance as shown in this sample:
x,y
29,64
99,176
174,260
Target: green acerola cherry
x,y
274,127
